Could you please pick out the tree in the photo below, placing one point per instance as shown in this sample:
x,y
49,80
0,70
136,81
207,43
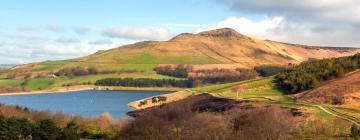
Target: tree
x,y
162,99
355,132
309,75
70,132
46,130
154,100
239,88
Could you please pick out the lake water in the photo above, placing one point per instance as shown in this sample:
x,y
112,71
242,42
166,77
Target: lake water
x,y
84,103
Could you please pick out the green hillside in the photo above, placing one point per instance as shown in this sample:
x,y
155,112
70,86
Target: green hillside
x,y
39,84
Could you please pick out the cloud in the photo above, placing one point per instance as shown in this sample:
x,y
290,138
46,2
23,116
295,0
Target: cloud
x,y
330,10
28,28
313,22
67,40
249,27
33,51
101,42
138,33
81,30
281,29
55,28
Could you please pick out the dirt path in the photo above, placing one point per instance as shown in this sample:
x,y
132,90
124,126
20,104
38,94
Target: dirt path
x,y
337,115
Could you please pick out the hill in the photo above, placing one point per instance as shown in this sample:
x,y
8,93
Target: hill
x,y
343,91
220,48
217,48
6,66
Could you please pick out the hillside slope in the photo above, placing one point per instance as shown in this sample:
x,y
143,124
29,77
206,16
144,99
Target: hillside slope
x,y
344,91
220,48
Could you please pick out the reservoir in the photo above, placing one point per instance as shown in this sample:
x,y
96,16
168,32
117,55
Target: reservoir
x,y
85,103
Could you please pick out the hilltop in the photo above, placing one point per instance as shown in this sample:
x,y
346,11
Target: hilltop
x,y
220,47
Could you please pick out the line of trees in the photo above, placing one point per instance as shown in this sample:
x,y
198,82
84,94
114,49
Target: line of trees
x,y
179,71
309,75
80,71
269,70
217,76
144,82
16,129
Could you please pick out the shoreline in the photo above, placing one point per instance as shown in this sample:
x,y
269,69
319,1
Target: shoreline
x,y
43,92
171,97
91,88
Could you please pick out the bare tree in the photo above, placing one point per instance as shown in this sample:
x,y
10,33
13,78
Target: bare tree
x,y
239,89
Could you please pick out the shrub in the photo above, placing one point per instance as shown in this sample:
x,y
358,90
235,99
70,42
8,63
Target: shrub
x,y
70,132
355,132
46,130
266,71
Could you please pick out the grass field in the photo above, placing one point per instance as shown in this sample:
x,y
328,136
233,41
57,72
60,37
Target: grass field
x,y
56,65
262,90
54,83
147,57
258,88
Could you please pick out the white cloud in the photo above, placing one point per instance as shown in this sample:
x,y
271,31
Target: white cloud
x,y
313,22
329,10
81,30
249,27
55,28
281,29
27,50
138,33
28,28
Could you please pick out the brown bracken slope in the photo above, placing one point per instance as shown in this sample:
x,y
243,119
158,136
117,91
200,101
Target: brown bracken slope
x,y
344,91
220,46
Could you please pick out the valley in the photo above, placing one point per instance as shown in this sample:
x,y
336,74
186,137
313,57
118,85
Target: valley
x,y
215,75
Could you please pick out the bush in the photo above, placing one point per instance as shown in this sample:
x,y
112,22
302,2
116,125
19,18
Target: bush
x,y
70,132
46,130
13,129
266,71
196,118
355,132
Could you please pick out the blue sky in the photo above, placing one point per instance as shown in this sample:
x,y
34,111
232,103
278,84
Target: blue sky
x,y
38,30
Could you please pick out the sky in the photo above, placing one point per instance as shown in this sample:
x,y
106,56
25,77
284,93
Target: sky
x,y
39,30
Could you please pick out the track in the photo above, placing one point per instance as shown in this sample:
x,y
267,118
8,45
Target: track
x,y
328,111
